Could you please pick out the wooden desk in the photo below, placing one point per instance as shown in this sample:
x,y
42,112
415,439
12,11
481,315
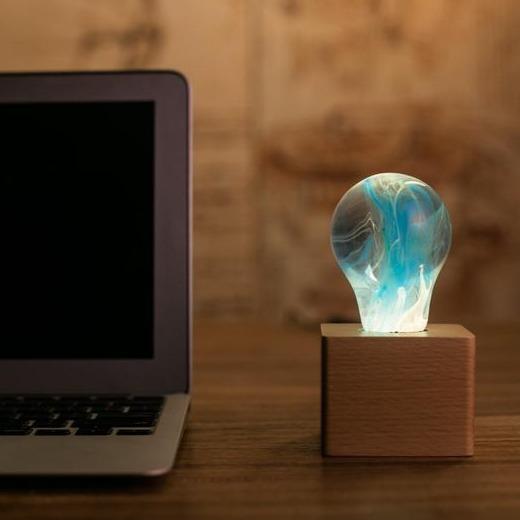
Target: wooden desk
x,y
251,449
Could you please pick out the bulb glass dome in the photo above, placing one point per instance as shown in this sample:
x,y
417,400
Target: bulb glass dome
x,y
391,234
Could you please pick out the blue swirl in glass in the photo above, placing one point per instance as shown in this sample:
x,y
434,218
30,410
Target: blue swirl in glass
x,y
391,234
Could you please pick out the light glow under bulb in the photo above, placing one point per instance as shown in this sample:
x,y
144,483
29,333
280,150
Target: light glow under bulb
x,y
391,234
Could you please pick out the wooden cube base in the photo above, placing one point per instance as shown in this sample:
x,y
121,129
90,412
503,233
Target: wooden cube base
x,y
397,394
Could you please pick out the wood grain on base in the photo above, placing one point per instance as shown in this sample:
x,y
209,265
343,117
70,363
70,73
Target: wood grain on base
x,y
406,394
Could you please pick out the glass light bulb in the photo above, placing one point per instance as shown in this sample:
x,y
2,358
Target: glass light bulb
x,y
391,234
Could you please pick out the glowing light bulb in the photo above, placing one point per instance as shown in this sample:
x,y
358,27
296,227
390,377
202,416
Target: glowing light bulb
x,y
391,234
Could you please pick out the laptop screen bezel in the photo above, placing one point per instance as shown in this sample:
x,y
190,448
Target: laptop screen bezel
x,y
169,369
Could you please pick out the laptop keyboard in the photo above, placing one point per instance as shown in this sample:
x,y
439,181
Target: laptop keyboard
x,y
79,415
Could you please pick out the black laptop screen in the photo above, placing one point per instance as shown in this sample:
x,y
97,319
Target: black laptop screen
x,y
76,230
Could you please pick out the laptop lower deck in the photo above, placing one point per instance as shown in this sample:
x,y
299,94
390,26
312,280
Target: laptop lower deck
x,y
91,434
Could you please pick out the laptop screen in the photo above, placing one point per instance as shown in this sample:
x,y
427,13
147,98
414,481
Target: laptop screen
x,y
76,228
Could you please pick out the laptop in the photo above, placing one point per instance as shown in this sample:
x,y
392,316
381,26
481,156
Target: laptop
x,y
95,256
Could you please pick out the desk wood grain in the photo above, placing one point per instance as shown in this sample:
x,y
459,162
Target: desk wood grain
x,y
252,446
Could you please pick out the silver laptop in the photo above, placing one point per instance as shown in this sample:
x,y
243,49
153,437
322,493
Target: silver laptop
x,y
95,314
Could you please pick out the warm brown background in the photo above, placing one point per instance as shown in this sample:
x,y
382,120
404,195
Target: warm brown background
x,y
294,101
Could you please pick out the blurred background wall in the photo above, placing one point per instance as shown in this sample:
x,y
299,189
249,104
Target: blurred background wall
x,y
295,101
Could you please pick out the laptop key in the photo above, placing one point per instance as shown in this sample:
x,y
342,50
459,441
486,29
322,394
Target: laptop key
x,y
127,424
144,406
40,416
14,425
52,423
8,415
94,431
147,431
20,431
52,432
124,415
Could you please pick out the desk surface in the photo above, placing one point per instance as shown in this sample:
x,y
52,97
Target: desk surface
x,y
251,449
